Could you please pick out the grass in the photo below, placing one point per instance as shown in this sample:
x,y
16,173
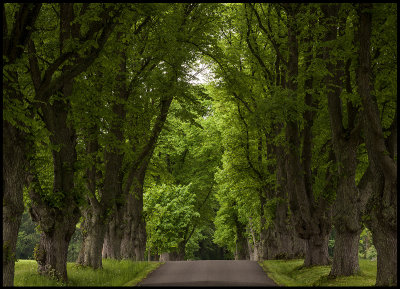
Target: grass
x,y
114,273
291,273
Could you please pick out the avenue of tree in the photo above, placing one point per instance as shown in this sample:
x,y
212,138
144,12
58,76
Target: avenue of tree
x,y
106,129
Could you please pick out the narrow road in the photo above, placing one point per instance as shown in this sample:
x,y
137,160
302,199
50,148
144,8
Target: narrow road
x,y
208,273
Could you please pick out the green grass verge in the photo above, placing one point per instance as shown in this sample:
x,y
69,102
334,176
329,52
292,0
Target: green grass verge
x,y
291,273
114,273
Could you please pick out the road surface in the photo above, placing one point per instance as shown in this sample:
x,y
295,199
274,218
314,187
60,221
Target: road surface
x,y
208,273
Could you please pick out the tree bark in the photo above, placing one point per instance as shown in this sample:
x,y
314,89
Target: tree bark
x,y
133,244
94,229
289,244
14,176
382,205
113,236
345,258
51,254
317,250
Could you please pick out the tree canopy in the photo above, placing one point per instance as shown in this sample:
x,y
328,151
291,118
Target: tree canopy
x,y
118,147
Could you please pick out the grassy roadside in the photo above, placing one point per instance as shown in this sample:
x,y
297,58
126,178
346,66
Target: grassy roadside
x,y
114,273
291,273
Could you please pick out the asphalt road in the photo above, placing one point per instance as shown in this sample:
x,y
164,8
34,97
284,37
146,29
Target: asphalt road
x,y
208,273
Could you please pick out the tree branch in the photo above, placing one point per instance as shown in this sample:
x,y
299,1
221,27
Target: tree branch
x,y
268,34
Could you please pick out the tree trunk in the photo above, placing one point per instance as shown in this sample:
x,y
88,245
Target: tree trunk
x,y
345,259
94,230
382,205
133,244
385,242
96,218
317,250
57,220
347,214
113,237
15,143
14,176
51,254
127,243
289,244
254,245
179,255
241,252
57,226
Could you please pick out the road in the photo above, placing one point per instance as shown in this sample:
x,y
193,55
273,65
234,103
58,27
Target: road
x,y
208,273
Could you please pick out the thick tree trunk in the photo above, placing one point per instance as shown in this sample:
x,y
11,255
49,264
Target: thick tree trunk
x,y
113,237
97,219
241,252
57,225
127,243
51,254
14,177
254,245
178,255
289,244
94,230
133,245
347,215
317,250
264,248
382,205
345,259
385,242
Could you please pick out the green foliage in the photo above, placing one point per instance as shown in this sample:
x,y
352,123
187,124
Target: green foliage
x,y
366,248
74,246
28,237
187,155
214,158
169,214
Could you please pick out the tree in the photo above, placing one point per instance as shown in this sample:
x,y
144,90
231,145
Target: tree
x,y
170,78
382,154
350,201
53,82
169,210
186,155
17,31
104,188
